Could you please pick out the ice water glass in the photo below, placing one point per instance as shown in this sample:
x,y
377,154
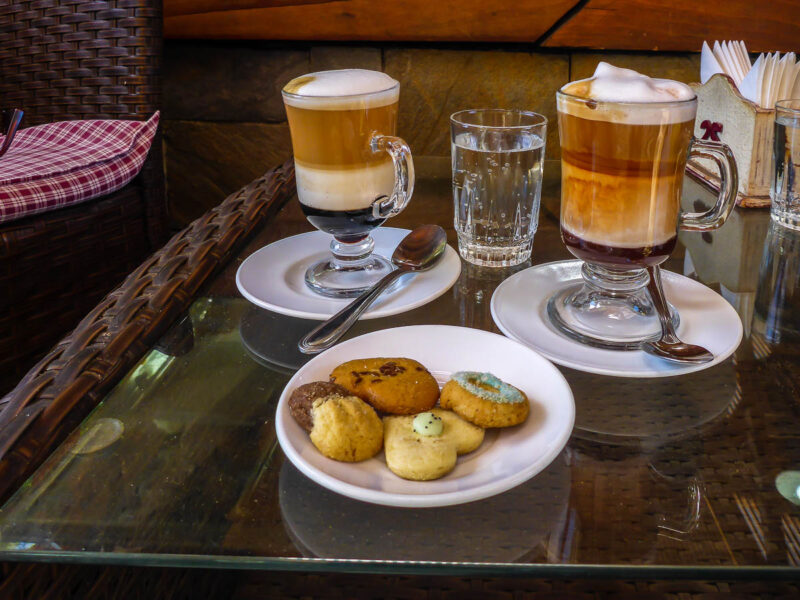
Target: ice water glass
x,y
785,192
497,183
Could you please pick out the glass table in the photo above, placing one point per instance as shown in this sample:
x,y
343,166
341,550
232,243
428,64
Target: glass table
x,y
696,476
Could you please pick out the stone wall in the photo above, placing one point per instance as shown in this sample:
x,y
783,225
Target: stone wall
x,y
224,122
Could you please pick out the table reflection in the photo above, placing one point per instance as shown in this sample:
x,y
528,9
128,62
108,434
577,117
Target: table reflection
x,y
776,317
530,518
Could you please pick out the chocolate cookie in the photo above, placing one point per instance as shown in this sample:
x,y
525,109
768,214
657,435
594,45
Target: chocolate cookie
x,y
303,397
399,386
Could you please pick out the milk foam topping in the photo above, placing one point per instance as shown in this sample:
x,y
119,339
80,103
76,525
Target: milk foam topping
x,y
342,89
638,92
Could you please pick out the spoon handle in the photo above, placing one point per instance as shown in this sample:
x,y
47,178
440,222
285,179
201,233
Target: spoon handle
x,y
326,334
656,290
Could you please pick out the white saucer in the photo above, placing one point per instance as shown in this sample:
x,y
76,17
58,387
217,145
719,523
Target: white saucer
x,y
519,311
507,457
273,277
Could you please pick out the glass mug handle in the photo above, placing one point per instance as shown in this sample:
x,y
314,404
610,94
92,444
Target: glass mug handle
x,y
384,206
722,155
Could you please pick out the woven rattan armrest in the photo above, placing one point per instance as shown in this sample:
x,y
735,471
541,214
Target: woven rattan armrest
x,y
58,393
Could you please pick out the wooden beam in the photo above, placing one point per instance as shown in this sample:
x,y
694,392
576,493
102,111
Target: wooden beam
x,y
364,20
678,25
681,25
174,8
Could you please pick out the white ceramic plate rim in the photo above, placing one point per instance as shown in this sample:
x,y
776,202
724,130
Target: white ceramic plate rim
x,y
478,492
670,369
450,264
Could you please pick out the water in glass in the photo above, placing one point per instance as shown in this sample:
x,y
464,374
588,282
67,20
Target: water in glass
x,y
786,187
497,179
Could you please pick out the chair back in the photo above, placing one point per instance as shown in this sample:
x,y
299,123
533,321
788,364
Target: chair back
x,y
77,59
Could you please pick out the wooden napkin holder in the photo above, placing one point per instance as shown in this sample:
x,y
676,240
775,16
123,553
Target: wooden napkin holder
x,y
724,115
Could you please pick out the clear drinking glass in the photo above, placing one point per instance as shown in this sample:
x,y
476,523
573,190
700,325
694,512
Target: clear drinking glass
x,y
785,190
497,183
352,172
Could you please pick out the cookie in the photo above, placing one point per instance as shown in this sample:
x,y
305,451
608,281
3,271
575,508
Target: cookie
x,y
398,386
485,400
346,428
412,454
303,397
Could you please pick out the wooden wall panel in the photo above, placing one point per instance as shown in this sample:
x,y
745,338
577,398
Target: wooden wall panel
x,y
681,25
193,7
365,20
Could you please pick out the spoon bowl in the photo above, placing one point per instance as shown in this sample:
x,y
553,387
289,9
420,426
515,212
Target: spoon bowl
x,y
678,351
669,346
420,249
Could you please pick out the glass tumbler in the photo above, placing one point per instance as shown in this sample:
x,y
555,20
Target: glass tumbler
x,y
497,183
785,192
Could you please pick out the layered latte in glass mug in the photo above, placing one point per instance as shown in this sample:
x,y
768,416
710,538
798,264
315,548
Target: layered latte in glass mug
x,y
625,140
352,173
622,171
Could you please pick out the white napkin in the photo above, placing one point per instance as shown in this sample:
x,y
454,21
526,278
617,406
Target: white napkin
x,y
750,87
769,79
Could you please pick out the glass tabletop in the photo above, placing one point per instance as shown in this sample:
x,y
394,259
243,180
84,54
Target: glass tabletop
x,y
695,475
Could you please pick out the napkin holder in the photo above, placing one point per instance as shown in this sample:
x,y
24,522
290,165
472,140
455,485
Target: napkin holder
x,y
724,115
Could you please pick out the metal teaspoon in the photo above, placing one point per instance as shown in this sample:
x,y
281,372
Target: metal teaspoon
x,y
418,251
669,347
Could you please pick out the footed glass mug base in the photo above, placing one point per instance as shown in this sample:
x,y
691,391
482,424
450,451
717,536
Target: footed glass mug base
x,y
351,271
610,309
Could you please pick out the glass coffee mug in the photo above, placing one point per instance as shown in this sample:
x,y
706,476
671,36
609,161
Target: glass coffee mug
x,y
622,170
352,172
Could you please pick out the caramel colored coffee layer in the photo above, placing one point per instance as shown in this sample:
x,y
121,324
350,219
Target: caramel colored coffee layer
x,y
621,183
339,139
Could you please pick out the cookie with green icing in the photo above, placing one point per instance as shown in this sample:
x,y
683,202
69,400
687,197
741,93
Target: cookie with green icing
x,y
485,400
425,446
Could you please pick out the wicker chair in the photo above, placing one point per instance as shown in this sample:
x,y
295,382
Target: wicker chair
x,y
63,60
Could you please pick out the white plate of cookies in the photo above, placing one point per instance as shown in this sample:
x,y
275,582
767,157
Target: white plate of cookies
x,y
422,416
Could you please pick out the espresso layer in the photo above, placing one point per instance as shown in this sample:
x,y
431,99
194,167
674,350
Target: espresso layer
x,y
346,225
613,256
343,189
340,139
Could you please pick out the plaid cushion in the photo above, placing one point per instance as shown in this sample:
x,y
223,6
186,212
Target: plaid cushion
x,y
64,163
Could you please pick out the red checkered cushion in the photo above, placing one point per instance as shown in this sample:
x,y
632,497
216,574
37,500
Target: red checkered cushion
x,y
60,164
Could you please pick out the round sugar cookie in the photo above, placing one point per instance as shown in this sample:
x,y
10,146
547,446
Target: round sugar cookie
x,y
420,457
398,386
485,400
346,428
